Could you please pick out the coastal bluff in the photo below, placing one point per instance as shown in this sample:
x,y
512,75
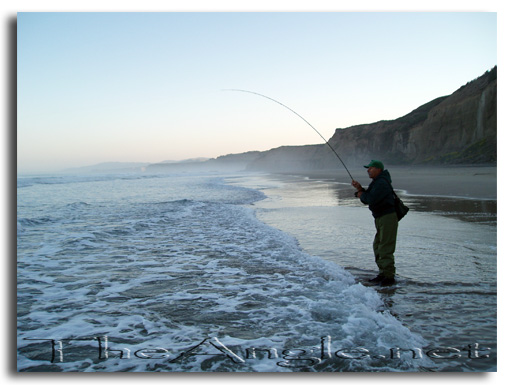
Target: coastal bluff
x,y
460,128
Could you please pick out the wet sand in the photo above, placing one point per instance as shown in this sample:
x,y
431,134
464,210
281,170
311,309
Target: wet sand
x,y
478,182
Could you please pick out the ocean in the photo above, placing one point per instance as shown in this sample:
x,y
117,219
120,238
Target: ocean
x,y
246,272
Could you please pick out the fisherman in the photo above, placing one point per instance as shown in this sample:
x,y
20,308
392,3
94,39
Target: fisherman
x,y
380,198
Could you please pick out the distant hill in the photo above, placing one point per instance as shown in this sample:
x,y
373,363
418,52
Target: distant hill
x,y
108,167
192,160
230,162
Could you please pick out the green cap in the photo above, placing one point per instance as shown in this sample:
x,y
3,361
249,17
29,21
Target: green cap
x,y
375,163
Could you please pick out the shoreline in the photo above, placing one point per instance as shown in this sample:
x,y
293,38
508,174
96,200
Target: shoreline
x,y
438,261
466,182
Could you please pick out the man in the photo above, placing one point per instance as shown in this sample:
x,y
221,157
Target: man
x,y
380,198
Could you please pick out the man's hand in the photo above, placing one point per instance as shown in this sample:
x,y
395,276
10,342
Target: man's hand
x,y
357,185
359,188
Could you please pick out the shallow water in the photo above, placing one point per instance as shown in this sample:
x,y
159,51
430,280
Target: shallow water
x,y
238,273
445,258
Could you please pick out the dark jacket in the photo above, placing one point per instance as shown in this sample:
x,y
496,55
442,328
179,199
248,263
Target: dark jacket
x,y
379,195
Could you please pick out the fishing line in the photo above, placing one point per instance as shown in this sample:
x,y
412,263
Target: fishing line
x,y
301,117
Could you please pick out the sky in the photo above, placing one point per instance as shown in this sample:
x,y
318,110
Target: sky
x,y
150,87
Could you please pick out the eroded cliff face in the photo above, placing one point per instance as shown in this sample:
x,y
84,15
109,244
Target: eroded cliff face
x,y
460,128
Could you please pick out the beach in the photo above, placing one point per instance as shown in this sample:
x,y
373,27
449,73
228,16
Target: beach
x,y
446,249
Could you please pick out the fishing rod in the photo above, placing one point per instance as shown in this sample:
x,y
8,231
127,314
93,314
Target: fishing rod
x,y
301,117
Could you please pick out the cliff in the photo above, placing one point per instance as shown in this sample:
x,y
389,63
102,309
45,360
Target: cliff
x,y
455,129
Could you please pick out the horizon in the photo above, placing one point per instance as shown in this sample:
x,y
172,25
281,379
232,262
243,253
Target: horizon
x,y
147,87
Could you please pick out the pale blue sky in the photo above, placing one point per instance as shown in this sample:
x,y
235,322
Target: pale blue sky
x,y
98,87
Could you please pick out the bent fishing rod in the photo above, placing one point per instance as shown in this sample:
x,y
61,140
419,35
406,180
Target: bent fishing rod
x,y
301,117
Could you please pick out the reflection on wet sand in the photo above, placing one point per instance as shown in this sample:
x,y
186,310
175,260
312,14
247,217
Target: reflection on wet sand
x,y
470,210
